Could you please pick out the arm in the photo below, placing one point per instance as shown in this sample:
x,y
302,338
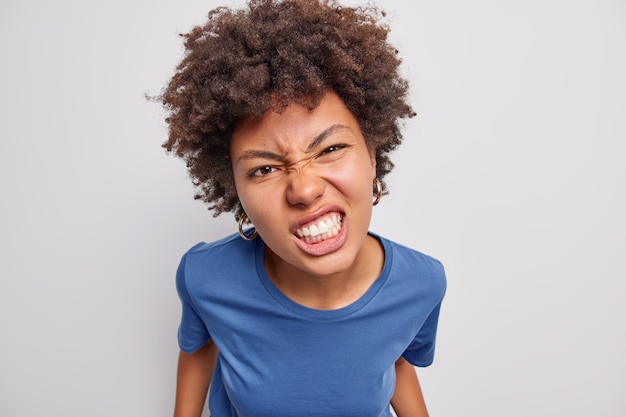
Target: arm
x,y
193,379
407,400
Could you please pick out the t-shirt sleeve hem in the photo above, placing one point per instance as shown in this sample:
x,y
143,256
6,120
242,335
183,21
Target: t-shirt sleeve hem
x,y
422,363
192,348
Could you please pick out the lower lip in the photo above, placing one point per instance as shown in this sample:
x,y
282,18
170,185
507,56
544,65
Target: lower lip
x,y
327,246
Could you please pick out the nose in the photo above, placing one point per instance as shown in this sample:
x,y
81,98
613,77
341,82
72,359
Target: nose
x,y
304,188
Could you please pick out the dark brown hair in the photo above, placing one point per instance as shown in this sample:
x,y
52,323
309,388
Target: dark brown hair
x,y
268,55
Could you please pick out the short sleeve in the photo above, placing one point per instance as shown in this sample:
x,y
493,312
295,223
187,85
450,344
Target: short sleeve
x,y
192,332
421,351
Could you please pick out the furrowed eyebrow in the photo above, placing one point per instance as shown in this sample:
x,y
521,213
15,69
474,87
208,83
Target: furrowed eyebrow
x,y
252,154
326,133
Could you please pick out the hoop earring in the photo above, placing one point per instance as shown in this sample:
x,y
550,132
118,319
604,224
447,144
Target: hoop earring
x,y
379,191
244,236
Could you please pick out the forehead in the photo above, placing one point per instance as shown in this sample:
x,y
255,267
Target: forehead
x,y
294,125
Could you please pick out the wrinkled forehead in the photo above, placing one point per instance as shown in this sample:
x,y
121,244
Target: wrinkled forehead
x,y
296,122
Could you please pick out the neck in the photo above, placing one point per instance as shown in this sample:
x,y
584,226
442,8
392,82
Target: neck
x,y
328,292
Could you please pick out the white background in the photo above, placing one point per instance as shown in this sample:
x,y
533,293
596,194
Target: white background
x,y
512,174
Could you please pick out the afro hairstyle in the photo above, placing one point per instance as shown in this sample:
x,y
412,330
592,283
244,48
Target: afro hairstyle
x,y
267,55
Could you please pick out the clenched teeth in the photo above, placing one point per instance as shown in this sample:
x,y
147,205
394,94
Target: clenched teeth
x,y
321,229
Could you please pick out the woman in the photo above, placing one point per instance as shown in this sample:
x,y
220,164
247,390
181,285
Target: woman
x,y
285,113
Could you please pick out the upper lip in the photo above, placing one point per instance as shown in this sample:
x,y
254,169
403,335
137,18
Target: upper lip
x,y
314,215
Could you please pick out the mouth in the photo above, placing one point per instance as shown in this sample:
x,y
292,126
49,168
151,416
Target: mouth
x,y
321,229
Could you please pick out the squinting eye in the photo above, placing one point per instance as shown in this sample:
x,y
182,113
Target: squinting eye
x,y
332,148
261,171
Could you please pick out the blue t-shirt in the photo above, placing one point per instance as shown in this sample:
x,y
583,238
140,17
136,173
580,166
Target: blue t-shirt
x,y
279,358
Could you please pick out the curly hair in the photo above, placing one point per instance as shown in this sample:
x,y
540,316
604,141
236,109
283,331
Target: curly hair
x,y
268,55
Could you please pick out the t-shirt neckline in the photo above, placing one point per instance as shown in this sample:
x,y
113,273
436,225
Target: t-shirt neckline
x,y
316,314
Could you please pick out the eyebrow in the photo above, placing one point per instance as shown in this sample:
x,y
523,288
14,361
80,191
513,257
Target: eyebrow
x,y
251,154
326,133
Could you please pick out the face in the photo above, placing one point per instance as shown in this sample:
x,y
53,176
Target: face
x,y
304,178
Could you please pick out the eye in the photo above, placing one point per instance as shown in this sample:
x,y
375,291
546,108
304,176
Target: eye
x,y
261,171
333,148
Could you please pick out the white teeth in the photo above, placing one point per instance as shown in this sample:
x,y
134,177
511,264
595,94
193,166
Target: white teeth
x,y
324,229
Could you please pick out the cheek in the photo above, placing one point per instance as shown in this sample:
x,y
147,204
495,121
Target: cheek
x,y
259,202
356,179
243,193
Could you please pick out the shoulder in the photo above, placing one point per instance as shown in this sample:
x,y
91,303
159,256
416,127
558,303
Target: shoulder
x,y
406,255
229,242
414,265
214,258
403,254
228,247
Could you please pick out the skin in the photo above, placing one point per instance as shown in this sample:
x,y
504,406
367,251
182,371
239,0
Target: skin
x,y
193,379
407,400
292,169
298,166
